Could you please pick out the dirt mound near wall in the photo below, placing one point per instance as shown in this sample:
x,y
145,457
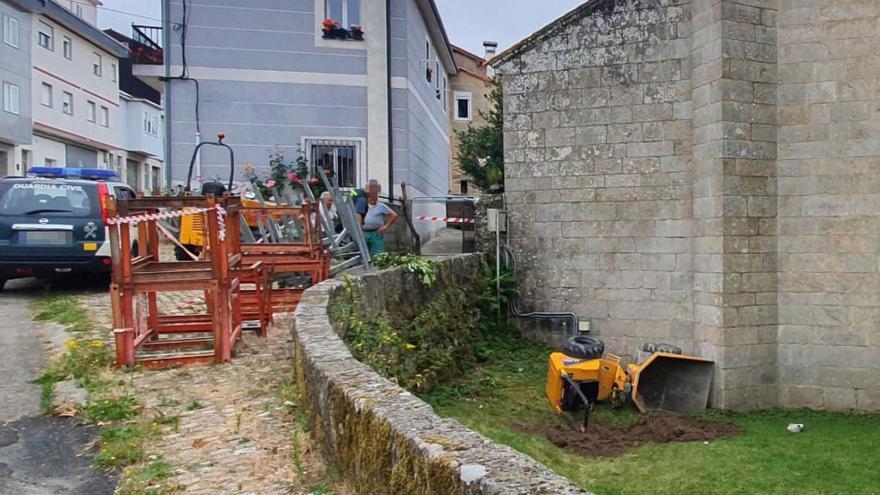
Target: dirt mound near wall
x,y
604,441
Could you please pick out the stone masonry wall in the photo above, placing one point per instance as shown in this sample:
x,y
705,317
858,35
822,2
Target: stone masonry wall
x,y
705,172
597,164
829,204
384,439
734,245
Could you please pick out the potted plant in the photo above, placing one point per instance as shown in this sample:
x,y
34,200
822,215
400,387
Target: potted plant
x,y
357,32
332,30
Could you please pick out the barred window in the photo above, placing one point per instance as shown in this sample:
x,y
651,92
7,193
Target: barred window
x,y
339,156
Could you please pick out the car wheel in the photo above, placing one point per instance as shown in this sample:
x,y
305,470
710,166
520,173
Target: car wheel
x,y
2,283
584,347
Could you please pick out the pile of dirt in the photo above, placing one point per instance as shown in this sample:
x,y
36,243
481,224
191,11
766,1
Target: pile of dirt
x,y
604,441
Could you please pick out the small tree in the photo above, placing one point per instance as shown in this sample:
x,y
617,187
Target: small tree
x,y
481,149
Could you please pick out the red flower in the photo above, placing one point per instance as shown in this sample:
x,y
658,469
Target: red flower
x,y
314,180
270,183
329,24
292,177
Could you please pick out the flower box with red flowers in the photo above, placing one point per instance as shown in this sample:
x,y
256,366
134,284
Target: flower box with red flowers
x,y
333,30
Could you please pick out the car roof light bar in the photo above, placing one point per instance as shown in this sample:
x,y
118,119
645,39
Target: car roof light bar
x,y
72,173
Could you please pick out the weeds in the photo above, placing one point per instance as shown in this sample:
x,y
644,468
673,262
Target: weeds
x,y
288,394
89,361
64,310
423,268
47,392
163,419
434,345
147,479
168,402
121,446
295,454
194,405
112,409
84,359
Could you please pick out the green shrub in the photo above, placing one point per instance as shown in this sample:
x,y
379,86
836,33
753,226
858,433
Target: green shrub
x,y
418,352
423,268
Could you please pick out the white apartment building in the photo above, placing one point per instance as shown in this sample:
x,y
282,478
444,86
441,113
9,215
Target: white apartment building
x,y
79,115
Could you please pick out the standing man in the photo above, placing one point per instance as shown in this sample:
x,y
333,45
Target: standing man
x,y
377,219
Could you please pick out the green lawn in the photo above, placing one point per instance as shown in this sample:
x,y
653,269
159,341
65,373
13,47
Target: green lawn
x,y
836,454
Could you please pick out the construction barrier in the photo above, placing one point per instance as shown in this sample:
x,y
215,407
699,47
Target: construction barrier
x,y
426,218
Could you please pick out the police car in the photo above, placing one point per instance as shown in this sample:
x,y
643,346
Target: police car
x,y
52,222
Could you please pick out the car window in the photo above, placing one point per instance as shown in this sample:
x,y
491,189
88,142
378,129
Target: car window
x,y
48,198
123,193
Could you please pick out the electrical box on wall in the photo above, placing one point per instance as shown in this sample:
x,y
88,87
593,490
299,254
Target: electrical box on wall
x,y
496,220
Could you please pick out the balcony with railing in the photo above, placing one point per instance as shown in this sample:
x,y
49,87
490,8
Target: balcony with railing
x,y
145,45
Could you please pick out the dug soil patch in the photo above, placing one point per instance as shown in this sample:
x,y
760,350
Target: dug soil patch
x,y
605,441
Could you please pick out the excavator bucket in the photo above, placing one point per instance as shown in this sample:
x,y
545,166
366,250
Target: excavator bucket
x,y
671,382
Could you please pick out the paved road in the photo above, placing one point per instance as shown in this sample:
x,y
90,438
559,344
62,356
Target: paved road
x,y
445,241
21,354
39,455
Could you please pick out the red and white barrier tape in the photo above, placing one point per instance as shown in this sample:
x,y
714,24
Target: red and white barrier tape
x,y
426,218
165,215
175,241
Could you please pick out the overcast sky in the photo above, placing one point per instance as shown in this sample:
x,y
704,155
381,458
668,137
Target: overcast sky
x,y
468,22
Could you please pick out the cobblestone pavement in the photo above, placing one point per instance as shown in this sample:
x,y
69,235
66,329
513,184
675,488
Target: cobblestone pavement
x,y
235,434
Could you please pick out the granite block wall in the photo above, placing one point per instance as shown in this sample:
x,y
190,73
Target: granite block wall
x,y
829,204
598,175
703,172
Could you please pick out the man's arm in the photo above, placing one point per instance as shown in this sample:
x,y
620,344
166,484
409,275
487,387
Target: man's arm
x,y
392,217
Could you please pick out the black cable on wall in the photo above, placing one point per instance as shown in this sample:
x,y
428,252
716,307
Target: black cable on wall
x,y
184,69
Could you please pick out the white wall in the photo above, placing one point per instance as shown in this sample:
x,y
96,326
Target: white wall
x,y
136,137
83,8
44,148
75,76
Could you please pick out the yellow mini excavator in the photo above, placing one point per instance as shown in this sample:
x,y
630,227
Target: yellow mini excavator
x,y
665,380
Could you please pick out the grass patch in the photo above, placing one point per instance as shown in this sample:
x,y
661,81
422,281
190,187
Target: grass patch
x,y
163,419
835,453
84,359
288,394
62,309
89,361
47,391
121,446
194,405
147,479
112,409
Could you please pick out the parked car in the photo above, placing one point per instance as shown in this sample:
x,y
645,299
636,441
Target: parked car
x,y
53,222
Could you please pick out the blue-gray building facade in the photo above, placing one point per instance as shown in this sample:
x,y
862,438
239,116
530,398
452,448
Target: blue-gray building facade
x,y
266,76
16,121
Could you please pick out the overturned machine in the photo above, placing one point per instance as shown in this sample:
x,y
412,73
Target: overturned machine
x,y
665,380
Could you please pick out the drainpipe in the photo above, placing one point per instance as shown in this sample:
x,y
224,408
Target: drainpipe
x,y
390,119
198,158
166,104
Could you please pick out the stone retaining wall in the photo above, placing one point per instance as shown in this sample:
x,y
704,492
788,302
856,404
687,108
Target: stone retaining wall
x,y
384,439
